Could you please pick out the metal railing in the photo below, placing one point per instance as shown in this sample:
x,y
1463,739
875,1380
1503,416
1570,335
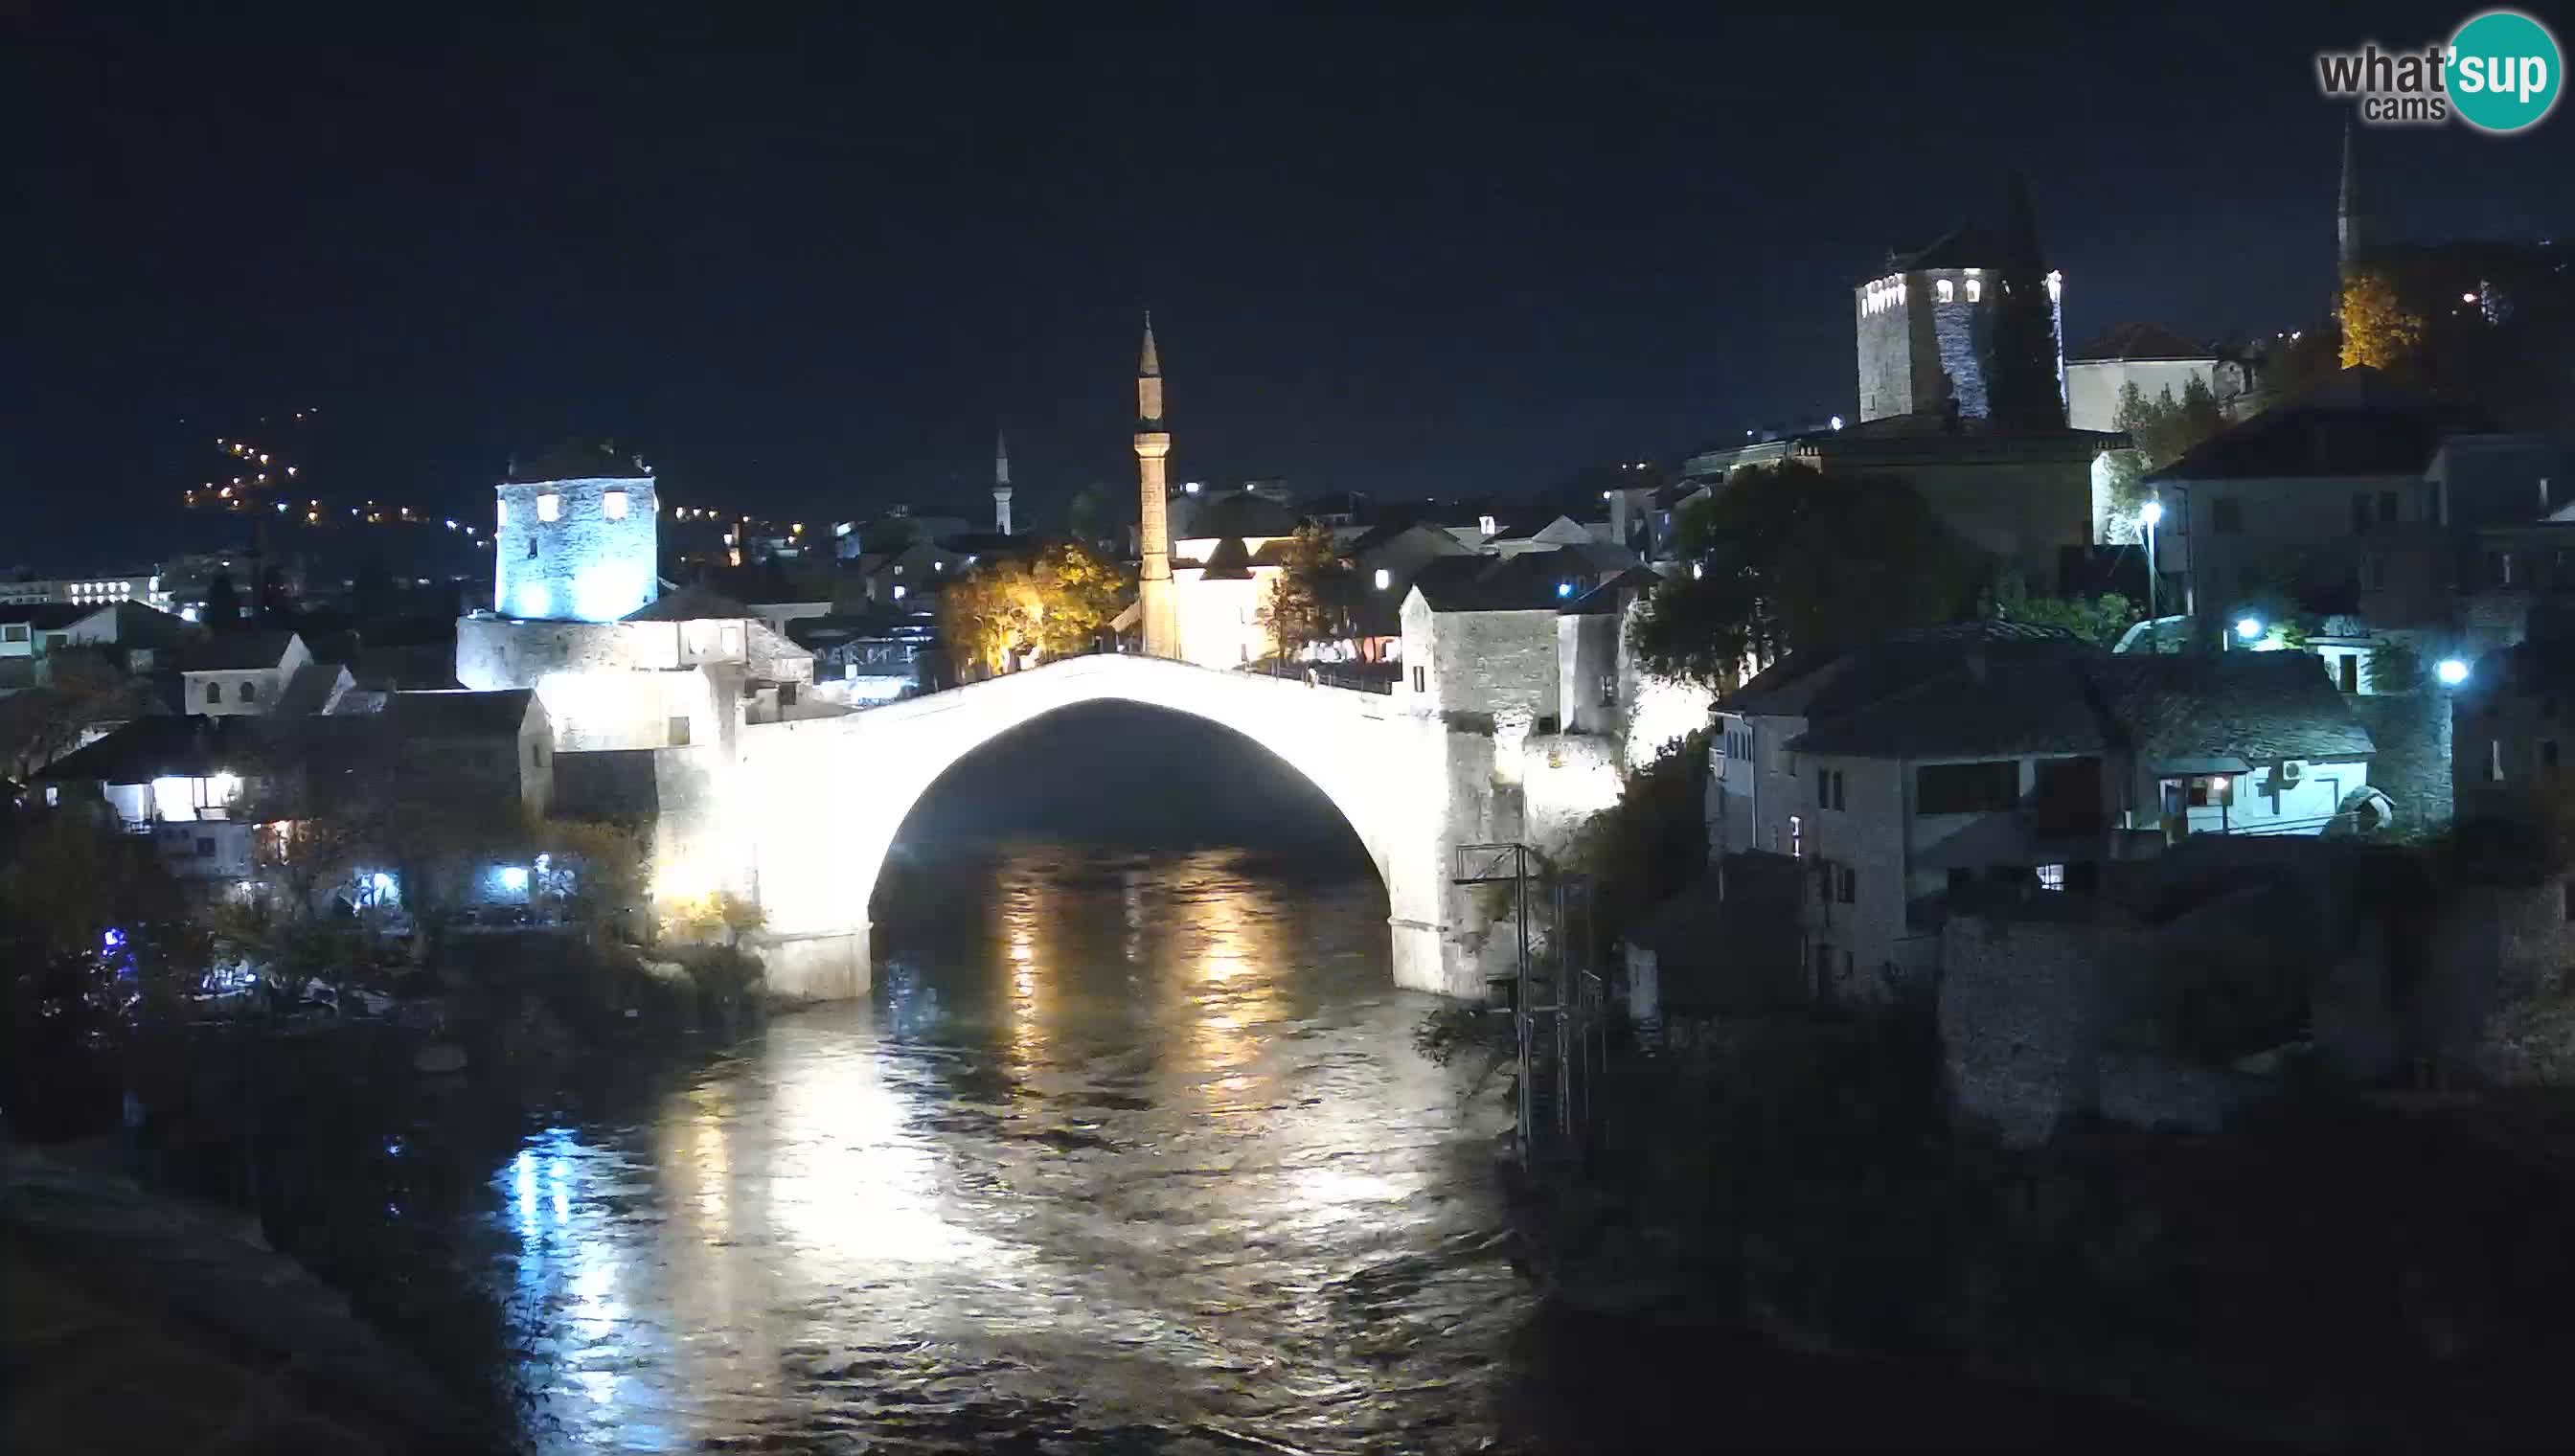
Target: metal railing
x,y
1557,997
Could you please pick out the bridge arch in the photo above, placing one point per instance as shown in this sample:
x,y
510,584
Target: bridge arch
x,y
817,803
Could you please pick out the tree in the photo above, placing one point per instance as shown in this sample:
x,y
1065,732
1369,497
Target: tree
x,y
2165,428
2022,389
1010,609
272,594
1309,600
2377,329
373,591
2100,619
222,602
82,690
1782,558
1095,515
595,870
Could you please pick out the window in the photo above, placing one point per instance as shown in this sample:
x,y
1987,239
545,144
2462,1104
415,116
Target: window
x,y
1608,689
205,849
2548,754
14,632
1421,679
249,692
504,518
1976,289
2360,512
1948,290
1845,883
1385,579
680,731
1796,836
1828,788
2499,568
2051,877
2387,509
549,507
214,693
531,548
612,504
2226,515
1964,788
2211,791
2349,666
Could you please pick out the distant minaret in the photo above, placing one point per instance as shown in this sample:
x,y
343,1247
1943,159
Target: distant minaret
x,y
1159,618
1001,482
2348,238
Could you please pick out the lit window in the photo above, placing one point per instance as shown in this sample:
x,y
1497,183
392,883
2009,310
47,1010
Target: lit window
x,y
1976,289
1796,836
1385,579
549,507
1948,290
898,594
2051,877
505,512
612,504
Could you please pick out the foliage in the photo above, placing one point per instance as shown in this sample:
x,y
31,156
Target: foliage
x,y
1010,610
2393,667
2022,387
716,915
2236,992
2295,365
1309,600
1095,515
2097,619
2163,429
599,871
1784,558
82,689
1651,844
222,602
2377,329
2124,484
1455,1026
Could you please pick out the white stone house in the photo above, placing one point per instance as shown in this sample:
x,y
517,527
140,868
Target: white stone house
x,y
239,672
1957,764
2158,361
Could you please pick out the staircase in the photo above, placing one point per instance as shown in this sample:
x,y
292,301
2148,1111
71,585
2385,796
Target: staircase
x,y
1553,995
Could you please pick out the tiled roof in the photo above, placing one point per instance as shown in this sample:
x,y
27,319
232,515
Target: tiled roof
x,y
1531,582
1243,514
1819,682
2257,707
2357,423
193,745
1613,594
692,603
459,713
45,615
1229,562
234,652
2141,342
2019,704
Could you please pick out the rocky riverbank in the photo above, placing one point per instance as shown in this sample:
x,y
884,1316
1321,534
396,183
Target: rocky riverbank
x,y
143,1323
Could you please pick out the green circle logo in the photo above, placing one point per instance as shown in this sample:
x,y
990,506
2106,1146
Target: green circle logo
x,y
2504,71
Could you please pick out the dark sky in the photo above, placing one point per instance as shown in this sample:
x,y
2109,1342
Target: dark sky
x,y
808,256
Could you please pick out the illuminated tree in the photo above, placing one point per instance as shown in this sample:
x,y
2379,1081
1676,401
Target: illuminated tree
x,y
2377,329
2097,619
1010,611
2165,428
1309,600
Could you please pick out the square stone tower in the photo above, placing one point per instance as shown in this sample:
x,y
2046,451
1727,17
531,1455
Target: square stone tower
x,y
576,550
1925,328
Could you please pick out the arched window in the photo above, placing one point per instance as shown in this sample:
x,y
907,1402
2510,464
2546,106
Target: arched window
x,y
214,693
1976,289
1948,290
249,692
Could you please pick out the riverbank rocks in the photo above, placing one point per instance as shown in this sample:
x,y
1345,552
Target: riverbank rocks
x,y
135,1323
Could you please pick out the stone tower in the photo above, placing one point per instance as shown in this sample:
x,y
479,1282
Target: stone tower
x,y
1001,482
1159,617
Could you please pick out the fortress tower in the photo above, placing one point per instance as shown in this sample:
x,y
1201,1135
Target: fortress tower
x,y
1157,615
578,542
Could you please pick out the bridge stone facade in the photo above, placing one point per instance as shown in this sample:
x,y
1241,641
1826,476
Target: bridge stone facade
x,y
818,802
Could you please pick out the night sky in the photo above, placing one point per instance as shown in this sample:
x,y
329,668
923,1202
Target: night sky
x,y
807,257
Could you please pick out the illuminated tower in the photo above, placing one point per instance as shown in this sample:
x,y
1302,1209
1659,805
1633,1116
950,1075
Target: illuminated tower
x,y
1002,483
1160,620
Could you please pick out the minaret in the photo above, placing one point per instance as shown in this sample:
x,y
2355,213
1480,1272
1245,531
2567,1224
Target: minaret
x,y
1158,616
2347,230
1001,482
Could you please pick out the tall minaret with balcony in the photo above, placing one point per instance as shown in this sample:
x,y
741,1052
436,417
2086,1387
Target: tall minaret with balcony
x,y
1002,483
1157,615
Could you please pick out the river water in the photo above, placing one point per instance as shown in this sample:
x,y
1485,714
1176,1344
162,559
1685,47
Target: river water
x,y
1128,1151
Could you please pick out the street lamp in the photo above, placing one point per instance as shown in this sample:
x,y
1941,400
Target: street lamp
x,y
2451,672
2152,516
2248,628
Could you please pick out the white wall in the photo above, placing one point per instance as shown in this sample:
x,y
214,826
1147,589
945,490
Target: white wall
x,y
2093,387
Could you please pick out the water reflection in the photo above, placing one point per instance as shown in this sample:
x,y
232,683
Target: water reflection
x,y
1133,1154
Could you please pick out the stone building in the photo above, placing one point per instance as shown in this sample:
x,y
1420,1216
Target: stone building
x,y
1925,322
577,541
2158,361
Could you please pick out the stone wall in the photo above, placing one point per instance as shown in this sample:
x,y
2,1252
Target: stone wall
x,y
1500,663
2412,764
2025,1008
585,565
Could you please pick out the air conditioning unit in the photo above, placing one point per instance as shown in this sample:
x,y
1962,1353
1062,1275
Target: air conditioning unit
x,y
2289,772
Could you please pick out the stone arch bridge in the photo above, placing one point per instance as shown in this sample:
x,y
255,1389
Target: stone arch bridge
x,y
814,803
